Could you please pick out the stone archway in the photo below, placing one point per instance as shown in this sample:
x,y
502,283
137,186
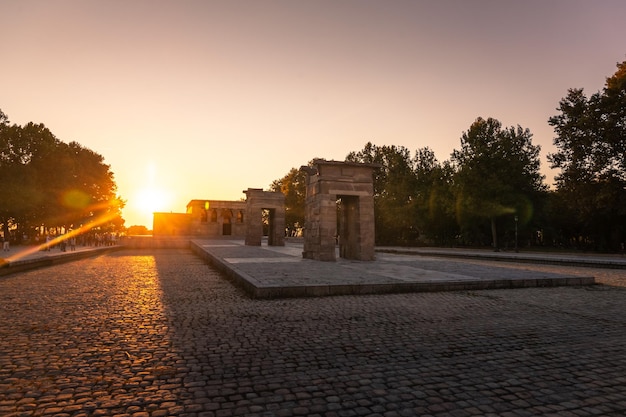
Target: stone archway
x,y
339,210
257,201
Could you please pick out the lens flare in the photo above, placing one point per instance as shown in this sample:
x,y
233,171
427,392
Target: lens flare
x,y
75,199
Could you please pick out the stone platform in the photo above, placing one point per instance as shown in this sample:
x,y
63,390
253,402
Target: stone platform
x,y
281,272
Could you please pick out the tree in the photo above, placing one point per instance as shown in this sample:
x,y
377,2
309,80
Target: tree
x,y
19,193
293,186
137,230
434,200
394,192
591,156
497,175
53,183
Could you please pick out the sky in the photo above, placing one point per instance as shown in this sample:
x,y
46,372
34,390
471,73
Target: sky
x,y
204,99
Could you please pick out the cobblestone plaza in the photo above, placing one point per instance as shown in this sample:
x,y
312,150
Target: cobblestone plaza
x,y
160,333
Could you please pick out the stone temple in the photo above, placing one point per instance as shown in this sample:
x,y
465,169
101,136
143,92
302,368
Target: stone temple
x,y
339,214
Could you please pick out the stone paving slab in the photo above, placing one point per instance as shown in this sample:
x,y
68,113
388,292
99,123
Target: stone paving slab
x,y
160,333
277,272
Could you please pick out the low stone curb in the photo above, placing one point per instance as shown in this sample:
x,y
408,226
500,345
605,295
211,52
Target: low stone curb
x,y
521,258
12,267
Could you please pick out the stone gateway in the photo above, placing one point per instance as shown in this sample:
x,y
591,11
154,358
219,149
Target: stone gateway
x,y
273,203
339,209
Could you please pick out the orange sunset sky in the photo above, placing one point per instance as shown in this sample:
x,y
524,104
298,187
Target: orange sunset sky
x,y
203,99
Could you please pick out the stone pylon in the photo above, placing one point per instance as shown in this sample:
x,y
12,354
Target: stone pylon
x,y
339,211
257,201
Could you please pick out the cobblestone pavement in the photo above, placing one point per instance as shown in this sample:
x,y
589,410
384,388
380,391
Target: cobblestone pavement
x,y
162,334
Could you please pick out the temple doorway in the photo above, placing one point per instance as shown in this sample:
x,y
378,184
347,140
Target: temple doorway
x,y
227,227
348,228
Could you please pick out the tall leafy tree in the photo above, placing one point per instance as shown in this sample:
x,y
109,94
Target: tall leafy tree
x,y
394,192
497,175
49,182
434,198
591,155
293,186
20,196
613,124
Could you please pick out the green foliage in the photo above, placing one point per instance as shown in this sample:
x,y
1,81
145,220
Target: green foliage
x,y
293,186
394,192
52,183
497,175
492,185
591,154
434,201
411,195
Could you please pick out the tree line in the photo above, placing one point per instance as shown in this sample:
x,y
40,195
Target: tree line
x,y
48,186
491,192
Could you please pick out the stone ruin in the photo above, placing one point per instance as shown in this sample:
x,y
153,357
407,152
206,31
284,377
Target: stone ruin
x,y
339,209
258,201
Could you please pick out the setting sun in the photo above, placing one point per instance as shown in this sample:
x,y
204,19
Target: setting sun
x,y
150,200
146,201
150,195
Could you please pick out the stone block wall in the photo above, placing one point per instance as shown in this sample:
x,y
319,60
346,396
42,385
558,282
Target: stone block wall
x,y
258,200
327,183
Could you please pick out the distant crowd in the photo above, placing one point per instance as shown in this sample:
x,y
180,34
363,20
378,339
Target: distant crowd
x,y
86,239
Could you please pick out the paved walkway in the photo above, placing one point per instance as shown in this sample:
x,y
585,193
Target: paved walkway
x,y
159,333
280,271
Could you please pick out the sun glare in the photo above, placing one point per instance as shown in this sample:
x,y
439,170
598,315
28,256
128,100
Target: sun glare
x,y
151,197
150,200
